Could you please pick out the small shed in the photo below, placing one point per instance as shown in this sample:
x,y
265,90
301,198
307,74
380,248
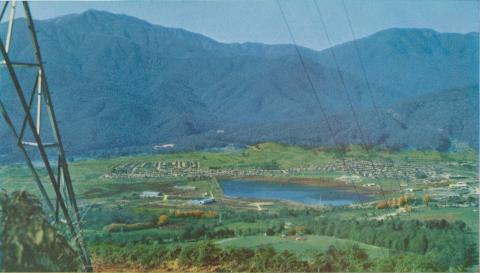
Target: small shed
x,y
150,194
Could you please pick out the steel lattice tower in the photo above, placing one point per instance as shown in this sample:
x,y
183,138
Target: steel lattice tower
x,y
50,152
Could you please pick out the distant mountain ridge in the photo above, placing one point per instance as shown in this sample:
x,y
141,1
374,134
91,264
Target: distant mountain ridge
x,y
431,52
123,85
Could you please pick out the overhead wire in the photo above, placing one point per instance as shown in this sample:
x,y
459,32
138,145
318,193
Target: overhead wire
x,y
363,138
357,51
363,69
314,92
362,66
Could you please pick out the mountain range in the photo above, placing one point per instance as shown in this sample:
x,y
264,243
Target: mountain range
x,y
122,85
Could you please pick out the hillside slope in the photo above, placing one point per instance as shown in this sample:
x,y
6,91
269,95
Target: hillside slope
x,y
120,83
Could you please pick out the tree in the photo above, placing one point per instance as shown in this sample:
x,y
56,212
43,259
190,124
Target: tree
x,y
279,227
426,199
237,259
408,208
186,256
403,200
419,244
28,241
444,145
207,254
270,232
288,262
407,262
382,205
263,259
162,220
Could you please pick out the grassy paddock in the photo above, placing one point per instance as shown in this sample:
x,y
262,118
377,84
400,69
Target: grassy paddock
x,y
305,247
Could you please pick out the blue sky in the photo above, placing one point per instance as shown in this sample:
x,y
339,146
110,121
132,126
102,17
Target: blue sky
x,y
260,21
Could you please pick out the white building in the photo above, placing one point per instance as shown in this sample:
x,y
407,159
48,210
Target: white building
x,y
458,185
185,188
207,201
150,194
163,146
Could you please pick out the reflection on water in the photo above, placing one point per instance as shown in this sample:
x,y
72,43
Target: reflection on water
x,y
310,195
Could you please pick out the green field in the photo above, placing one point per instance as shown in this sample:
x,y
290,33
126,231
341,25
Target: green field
x,y
468,215
105,199
304,247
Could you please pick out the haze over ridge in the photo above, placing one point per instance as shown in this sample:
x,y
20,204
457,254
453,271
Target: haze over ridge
x,y
114,74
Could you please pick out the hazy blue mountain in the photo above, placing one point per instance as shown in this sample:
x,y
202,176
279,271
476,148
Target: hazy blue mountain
x,y
410,62
438,120
121,85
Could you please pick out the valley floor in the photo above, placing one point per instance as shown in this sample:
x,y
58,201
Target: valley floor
x,y
423,206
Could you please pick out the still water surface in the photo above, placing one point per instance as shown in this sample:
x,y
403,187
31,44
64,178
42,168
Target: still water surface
x,y
306,194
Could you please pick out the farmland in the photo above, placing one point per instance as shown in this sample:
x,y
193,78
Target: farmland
x,y
117,213
304,247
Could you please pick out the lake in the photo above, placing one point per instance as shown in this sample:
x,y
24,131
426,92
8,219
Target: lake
x,y
306,194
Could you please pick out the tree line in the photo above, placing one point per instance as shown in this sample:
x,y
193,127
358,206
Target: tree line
x,y
206,256
451,244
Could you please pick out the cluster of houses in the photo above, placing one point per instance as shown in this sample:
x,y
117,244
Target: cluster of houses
x,y
462,192
135,168
355,170
184,169
377,169
178,164
413,176
427,173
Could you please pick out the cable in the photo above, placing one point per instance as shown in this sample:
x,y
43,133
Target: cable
x,y
362,65
315,93
357,50
363,139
